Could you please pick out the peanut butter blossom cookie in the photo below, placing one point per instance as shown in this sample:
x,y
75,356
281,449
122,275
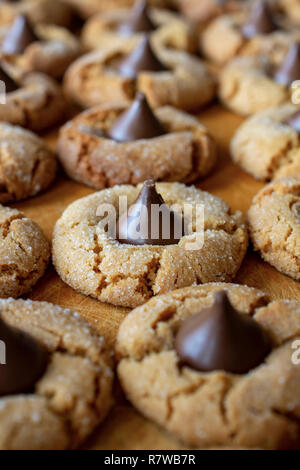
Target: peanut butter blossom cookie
x,y
138,255
249,85
24,253
213,365
38,11
165,76
34,100
113,144
274,220
267,145
56,379
27,165
44,48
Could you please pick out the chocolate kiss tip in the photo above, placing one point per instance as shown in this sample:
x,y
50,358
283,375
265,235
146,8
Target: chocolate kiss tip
x,y
149,221
26,360
289,71
19,36
139,20
10,84
142,58
220,338
260,20
138,122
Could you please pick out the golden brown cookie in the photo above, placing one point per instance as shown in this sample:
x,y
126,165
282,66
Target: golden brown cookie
x,y
274,221
267,146
206,10
52,53
73,395
187,152
87,8
258,409
27,165
38,11
92,262
94,79
24,253
247,88
36,104
172,31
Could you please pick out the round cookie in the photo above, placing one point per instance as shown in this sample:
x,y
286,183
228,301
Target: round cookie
x,y
186,153
94,79
87,8
172,31
27,165
92,262
274,223
258,409
35,102
51,49
24,253
38,11
247,88
267,146
74,393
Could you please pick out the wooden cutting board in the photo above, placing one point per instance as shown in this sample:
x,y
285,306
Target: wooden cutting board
x,y
125,428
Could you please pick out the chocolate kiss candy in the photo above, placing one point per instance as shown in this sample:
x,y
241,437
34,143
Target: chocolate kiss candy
x,y
149,221
25,358
260,21
139,20
220,338
10,84
290,69
142,58
138,122
294,121
19,36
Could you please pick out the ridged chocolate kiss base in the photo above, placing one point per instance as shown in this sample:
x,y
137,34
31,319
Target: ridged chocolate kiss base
x,y
19,36
26,361
139,20
138,122
260,21
290,69
10,84
141,59
141,226
220,338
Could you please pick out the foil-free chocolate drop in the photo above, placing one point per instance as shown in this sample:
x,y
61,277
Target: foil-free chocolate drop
x,y
19,36
138,122
139,20
141,59
220,338
149,221
289,71
260,20
10,84
25,361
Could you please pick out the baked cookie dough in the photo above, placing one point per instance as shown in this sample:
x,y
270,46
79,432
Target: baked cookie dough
x,y
24,253
35,102
258,409
267,146
27,165
51,50
87,8
94,79
187,152
92,262
247,88
172,31
274,221
204,11
73,395
38,11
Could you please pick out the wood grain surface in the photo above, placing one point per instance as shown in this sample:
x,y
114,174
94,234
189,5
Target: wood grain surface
x,y
125,428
